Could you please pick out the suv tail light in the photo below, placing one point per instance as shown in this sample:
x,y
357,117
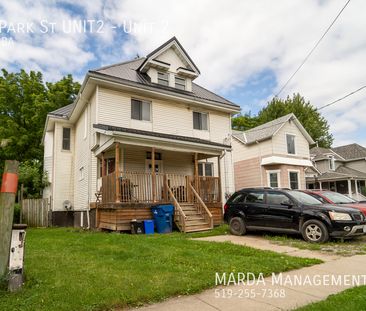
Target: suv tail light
x,y
226,207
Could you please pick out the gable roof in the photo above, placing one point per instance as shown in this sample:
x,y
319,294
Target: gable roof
x,y
128,71
342,172
269,129
351,151
320,153
171,42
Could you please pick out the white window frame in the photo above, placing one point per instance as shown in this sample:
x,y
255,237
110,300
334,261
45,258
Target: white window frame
x,y
142,101
208,120
298,177
204,168
294,135
332,163
278,172
62,141
184,83
167,79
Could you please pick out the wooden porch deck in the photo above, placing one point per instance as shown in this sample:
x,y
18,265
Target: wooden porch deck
x,y
129,195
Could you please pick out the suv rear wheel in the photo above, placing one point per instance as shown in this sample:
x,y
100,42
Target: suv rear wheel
x,y
314,231
237,226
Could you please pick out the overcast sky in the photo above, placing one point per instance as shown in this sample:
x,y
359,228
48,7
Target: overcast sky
x,y
245,50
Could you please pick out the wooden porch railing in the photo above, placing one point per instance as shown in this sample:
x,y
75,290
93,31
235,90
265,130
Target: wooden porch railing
x,y
209,189
179,215
137,187
201,207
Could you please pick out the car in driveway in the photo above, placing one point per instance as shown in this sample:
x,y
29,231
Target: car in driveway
x,y
291,211
335,198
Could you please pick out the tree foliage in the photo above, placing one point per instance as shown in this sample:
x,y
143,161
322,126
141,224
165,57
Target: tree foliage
x,y
25,101
315,124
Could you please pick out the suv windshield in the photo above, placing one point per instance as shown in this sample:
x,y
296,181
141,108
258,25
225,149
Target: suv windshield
x,y
338,198
303,198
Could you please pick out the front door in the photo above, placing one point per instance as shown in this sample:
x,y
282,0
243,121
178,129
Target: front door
x,y
158,166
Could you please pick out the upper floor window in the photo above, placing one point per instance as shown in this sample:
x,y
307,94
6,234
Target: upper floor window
x,y
163,78
180,83
200,120
66,138
331,163
140,110
205,169
290,139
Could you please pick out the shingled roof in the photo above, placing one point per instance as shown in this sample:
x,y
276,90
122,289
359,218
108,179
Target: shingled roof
x,y
351,151
267,130
128,71
342,172
63,111
320,153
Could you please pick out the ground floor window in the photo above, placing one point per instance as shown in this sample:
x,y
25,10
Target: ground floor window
x,y
273,178
294,180
205,169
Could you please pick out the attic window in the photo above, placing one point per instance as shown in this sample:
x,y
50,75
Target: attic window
x,y
163,78
290,139
180,83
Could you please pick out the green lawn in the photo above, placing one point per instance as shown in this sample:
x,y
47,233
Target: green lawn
x,y
72,270
349,300
356,246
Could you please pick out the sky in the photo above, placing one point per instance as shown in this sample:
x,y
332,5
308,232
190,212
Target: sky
x,y
245,50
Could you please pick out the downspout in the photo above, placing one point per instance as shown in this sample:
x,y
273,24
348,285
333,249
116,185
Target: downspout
x,y
260,161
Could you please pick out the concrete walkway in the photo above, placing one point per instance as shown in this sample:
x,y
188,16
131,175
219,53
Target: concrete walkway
x,y
284,291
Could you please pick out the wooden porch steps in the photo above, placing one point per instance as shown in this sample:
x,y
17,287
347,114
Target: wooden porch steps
x,y
195,220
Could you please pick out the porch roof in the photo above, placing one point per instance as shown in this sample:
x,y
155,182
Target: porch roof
x,y
171,137
342,172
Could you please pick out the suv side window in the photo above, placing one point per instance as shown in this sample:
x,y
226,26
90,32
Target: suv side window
x,y
239,198
255,197
276,198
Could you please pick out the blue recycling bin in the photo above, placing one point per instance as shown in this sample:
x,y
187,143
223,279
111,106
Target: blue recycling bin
x,y
163,217
149,226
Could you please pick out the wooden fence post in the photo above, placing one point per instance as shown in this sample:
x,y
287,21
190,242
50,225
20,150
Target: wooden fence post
x,y
7,199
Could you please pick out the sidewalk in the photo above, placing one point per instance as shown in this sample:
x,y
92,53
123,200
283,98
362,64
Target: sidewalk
x,y
261,296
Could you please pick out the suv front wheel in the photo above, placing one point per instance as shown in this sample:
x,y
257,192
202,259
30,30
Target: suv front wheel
x,y
314,231
237,226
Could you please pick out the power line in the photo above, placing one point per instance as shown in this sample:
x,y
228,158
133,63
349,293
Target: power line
x,y
312,50
339,99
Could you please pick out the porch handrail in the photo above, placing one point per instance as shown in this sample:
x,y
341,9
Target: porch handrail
x,y
181,215
206,210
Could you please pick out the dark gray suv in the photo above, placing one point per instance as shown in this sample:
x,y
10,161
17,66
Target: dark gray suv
x,y
291,211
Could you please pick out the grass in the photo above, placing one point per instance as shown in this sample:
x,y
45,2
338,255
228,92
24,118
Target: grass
x,y
68,269
219,230
356,246
349,300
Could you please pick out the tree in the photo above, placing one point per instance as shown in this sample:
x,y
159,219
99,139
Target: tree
x,y
315,124
25,101
243,122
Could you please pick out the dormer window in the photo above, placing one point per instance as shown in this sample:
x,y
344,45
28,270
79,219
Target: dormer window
x,y
163,78
180,83
331,163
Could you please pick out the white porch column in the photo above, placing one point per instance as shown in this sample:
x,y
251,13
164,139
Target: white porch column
x,y
356,187
320,185
349,188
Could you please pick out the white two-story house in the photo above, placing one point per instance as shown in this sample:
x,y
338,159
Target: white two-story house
x,y
141,133
274,154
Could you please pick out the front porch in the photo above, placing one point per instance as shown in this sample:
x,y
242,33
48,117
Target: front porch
x,y
127,194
